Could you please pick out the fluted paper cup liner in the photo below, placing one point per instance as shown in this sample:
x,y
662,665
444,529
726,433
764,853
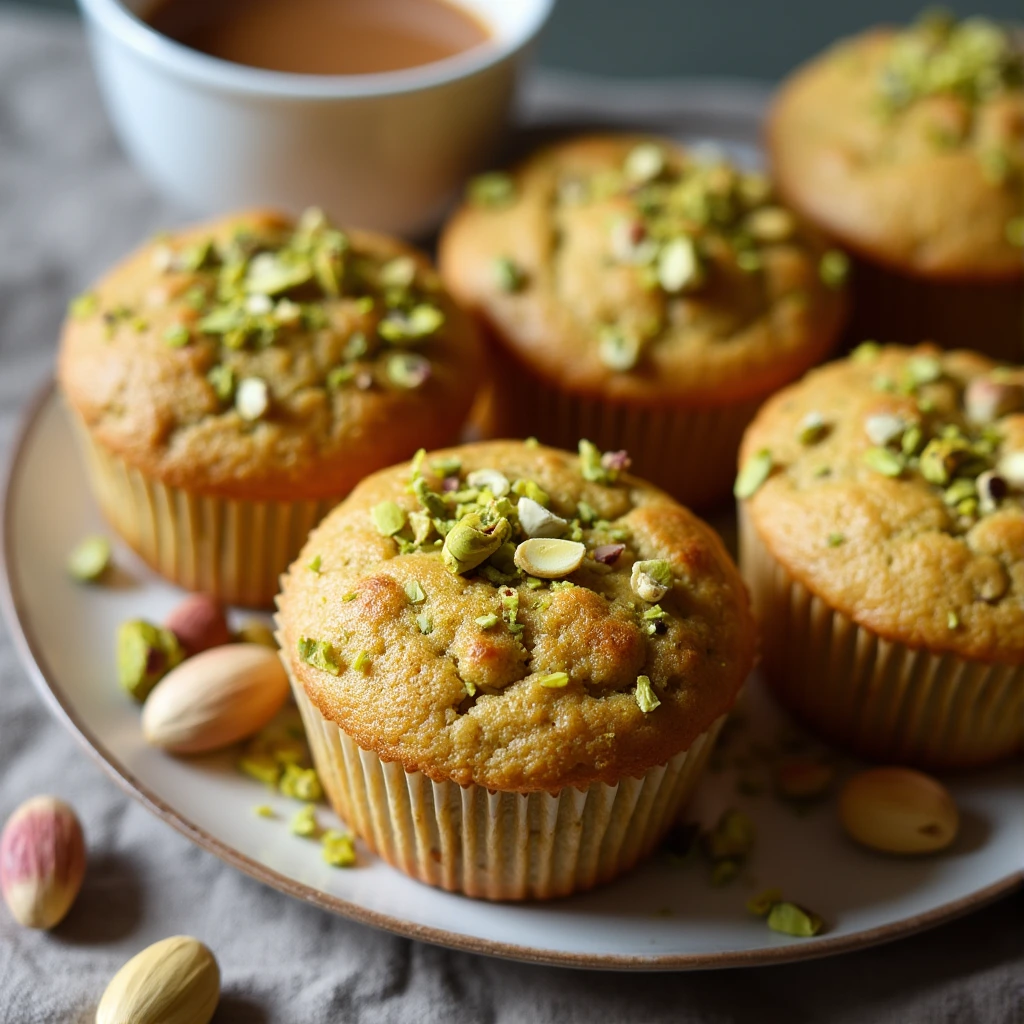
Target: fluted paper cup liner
x,y
880,698
234,550
498,845
895,307
688,450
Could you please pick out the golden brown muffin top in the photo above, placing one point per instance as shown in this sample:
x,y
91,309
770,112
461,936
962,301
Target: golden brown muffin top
x,y
253,357
909,147
628,267
409,622
891,484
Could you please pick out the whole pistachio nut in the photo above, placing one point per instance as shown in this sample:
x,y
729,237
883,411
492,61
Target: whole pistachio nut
x,y
145,654
549,558
471,542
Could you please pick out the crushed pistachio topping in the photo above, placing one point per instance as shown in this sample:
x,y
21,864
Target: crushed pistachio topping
x,y
388,517
415,592
264,811
338,848
425,622
754,473
618,348
601,468
554,680
300,783
177,335
304,822
83,306
812,428
761,904
314,564
508,275
646,698
361,662
791,919
883,461
320,654
90,559
834,268
493,190
487,621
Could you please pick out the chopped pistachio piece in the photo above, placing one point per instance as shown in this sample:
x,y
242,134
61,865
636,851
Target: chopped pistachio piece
x,y
771,224
494,189
884,428
222,379
252,398
487,621
400,327
790,919
304,822
320,654
338,376
497,483
399,273
508,275
388,517
834,268
923,370
554,680
549,558
314,564
533,491
952,620
83,306
338,849
271,273
866,352
426,622
264,811
90,559
732,837
679,266
812,428
471,541
883,461
145,654
407,369
415,592
651,579
646,698
177,335
592,464
618,349
754,473
261,767
836,540
1015,232
361,662
537,521
300,783
644,163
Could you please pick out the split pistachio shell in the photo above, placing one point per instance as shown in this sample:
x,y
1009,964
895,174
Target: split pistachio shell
x,y
174,981
548,558
537,521
497,483
42,861
898,810
215,699
651,579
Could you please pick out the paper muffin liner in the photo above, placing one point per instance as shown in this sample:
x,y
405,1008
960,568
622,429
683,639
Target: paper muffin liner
x,y
688,450
882,699
893,307
234,550
498,845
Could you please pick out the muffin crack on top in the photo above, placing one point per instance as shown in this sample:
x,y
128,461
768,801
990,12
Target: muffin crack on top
x,y
513,616
892,486
279,352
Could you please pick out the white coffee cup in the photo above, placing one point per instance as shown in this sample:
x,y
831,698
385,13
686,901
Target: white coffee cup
x,y
385,151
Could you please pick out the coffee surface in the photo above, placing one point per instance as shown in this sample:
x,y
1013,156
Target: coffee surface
x,y
321,37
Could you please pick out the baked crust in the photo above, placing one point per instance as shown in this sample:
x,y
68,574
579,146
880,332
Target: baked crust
x,y
152,405
412,706
889,188
892,553
740,334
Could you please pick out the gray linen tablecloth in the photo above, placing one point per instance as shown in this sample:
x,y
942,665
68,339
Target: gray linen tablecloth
x,y
69,205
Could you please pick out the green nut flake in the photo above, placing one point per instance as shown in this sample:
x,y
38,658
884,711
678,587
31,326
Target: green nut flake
x,y
415,592
471,542
314,564
261,767
422,527
834,268
508,275
811,429
492,190
679,266
866,352
724,871
618,349
338,849
304,823
271,273
90,559
256,632
883,461
644,163
425,622
754,473
594,466
361,662
431,501
952,620
264,811
83,306
923,370
388,517
177,335
554,680
339,376
407,370
487,621
145,654
531,490
401,327
790,919
320,654
222,379
646,698
301,783
836,540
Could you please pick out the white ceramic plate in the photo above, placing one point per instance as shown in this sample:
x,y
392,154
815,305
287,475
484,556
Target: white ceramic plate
x,y
662,916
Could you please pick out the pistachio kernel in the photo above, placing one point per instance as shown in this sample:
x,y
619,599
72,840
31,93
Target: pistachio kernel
x,y
644,163
679,266
388,517
83,306
883,461
338,849
222,379
834,268
402,327
145,654
770,224
90,559
320,654
491,479
425,622
811,428
494,189
651,579
884,428
791,919
407,370
617,348
866,352
177,335
537,521
252,398
304,822
361,662
923,370
754,473
415,592
646,698
471,541
314,565
487,621
554,680
508,275
549,558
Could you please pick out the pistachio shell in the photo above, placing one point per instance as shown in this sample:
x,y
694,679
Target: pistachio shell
x,y
651,580
898,810
497,483
215,699
174,981
884,428
537,521
549,558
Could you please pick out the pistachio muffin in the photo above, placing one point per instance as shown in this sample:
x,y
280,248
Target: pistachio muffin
x,y
643,296
882,537
907,147
232,382
512,664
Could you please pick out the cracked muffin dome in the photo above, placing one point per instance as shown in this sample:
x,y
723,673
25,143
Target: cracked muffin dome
x,y
234,380
484,672
907,147
640,294
530,652
883,538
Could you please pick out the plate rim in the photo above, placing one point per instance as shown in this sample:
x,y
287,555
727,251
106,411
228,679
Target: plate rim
x,y
33,660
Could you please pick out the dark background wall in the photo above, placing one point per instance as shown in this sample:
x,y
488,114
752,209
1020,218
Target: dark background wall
x,y
748,38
